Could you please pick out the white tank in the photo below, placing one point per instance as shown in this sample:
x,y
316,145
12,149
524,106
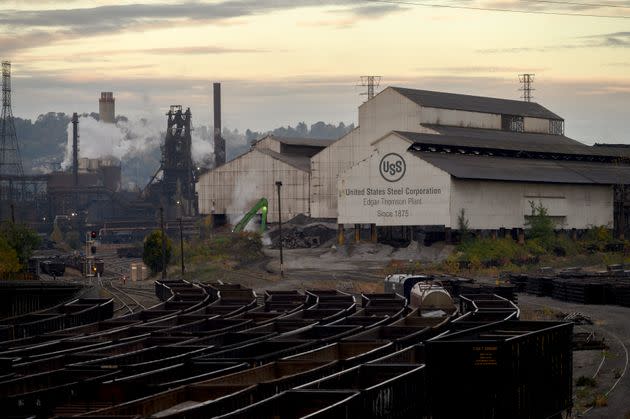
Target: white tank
x,y
426,296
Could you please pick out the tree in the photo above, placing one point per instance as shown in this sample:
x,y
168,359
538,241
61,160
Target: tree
x,y
21,239
152,254
9,262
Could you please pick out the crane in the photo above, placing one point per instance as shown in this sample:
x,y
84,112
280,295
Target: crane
x,y
262,206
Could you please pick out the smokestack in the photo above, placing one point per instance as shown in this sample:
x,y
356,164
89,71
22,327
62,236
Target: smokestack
x,y
75,148
219,142
107,107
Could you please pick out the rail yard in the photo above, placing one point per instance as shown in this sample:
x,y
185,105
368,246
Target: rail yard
x,y
225,350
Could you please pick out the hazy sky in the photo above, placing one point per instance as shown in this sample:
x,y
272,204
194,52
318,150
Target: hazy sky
x,y
284,61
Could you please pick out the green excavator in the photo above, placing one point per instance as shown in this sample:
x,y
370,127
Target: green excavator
x,y
260,206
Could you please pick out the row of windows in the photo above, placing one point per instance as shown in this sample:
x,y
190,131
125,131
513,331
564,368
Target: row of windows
x,y
516,123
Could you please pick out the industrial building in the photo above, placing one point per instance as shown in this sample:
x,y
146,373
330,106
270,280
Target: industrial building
x,y
418,158
232,189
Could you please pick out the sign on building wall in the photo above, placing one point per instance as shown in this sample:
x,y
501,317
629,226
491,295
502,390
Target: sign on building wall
x,y
394,188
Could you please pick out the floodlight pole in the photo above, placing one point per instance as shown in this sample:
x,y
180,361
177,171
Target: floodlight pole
x,y
163,243
181,244
279,185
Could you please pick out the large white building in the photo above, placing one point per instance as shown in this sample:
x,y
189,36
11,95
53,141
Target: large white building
x,y
418,158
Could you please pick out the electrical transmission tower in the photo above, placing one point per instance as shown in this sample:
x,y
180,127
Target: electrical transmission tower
x,y
371,82
527,80
10,161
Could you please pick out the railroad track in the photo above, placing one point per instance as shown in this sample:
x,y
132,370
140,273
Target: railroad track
x,y
128,303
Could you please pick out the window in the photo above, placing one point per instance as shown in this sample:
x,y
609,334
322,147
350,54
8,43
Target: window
x,y
556,127
512,123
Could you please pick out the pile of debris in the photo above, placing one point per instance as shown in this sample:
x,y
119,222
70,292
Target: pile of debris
x,y
303,232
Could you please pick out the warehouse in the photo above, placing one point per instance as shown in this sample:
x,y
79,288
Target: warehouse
x,y
422,111
418,158
230,190
426,180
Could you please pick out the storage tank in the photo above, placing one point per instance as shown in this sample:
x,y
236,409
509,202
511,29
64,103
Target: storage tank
x,y
427,296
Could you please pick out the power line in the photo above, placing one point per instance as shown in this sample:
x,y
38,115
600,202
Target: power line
x,y
574,3
492,9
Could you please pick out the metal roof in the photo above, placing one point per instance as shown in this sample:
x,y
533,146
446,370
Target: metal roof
x,y
526,170
506,140
476,103
299,162
311,142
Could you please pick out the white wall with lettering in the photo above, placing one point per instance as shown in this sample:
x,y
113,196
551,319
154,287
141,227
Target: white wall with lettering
x,y
392,188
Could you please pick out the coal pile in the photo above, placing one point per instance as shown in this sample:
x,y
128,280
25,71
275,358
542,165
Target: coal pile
x,y
302,233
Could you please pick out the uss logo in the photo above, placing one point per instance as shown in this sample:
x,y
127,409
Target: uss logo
x,y
392,167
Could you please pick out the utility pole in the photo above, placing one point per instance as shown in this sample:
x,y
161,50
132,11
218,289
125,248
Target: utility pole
x,y
279,185
163,243
12,213
181,244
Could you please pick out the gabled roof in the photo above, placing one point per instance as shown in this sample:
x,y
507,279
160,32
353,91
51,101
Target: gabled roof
x,y
299,162
526,170
507,140
476,103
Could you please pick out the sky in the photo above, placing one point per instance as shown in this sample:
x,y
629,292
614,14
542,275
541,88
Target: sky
x,y
285,61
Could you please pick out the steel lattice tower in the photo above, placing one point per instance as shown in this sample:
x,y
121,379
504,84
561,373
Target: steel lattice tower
x,y
526,80
10,160
371,82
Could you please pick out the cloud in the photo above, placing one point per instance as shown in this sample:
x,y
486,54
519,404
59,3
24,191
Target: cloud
x,y
614,39
607,40
376,10
36,28
475,69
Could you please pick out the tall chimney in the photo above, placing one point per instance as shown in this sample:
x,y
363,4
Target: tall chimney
x,y
75,148
107,107
219,142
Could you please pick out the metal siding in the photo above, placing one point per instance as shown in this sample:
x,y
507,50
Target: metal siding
x,y
255,174
460,118
494,204
268,142
364,209
539,125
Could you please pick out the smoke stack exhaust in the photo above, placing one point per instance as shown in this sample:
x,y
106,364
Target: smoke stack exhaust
x,y
219,142
75,148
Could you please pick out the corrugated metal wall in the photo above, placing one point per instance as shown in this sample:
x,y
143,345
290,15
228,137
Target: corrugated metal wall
x,y
237,185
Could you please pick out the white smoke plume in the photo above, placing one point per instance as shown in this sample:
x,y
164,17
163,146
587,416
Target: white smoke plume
x,y
245,194
127,139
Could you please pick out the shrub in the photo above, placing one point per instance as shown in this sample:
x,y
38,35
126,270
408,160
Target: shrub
x,y
152,254
584,381
540,225
600,401
597,238
492,252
